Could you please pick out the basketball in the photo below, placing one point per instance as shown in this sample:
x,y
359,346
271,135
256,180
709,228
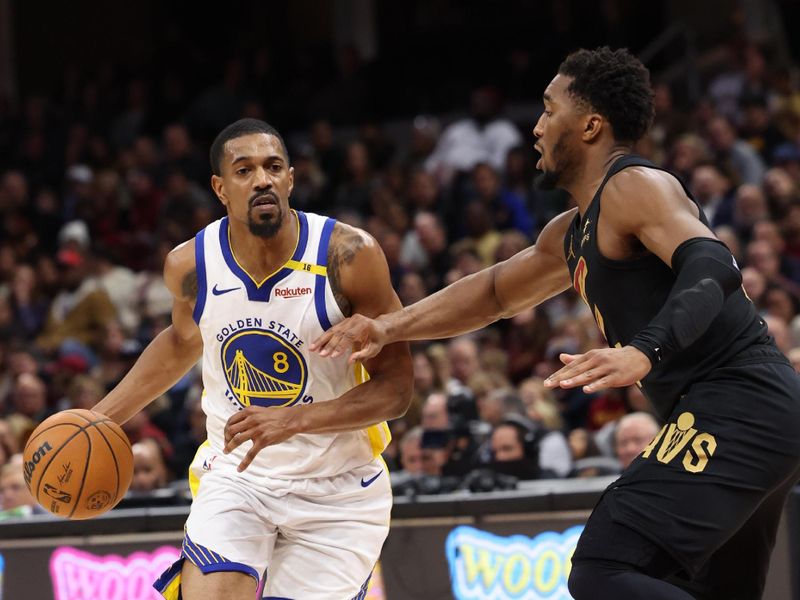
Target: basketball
x,y
78,464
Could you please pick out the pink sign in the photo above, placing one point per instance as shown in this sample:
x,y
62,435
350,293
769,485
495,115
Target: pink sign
x,y
79,575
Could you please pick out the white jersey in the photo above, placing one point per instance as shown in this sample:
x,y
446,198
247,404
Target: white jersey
x,y
255,351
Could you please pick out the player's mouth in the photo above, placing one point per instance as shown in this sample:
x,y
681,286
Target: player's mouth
x,y
540,162
268,199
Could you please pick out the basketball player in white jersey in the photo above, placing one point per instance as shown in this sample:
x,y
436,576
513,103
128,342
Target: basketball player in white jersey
x,y
290,480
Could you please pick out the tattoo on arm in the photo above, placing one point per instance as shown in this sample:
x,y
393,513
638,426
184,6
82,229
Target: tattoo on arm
x,y
189,285
344,245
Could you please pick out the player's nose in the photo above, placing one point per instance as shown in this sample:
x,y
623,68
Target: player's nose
x,y
538,131
261,181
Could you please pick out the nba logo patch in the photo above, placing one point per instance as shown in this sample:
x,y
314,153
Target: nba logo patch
x,y
263,369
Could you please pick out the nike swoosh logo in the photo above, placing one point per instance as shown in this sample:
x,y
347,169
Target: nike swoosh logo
x,y
370,480
217,292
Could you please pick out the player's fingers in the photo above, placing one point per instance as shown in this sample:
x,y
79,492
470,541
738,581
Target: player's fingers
x,y
320,343
578,363
334,343
602,383
365,353
242,434
568,358
248,458
587,374
235,423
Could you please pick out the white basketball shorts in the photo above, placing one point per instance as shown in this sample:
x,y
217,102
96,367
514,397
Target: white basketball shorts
x,y
316,539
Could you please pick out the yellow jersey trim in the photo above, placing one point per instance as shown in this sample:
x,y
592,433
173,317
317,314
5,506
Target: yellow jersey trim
x,y
194,480
307,267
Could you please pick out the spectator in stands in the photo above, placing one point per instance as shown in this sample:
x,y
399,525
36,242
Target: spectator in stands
x,y
483,137
633,433
733,153
149,468
754,285
425,249
9,445
121,285
84,392
192,436
710,188
508,209
15,498
28,305
762,257
434,412
29,398
582,444
356,189
462,353
79,312
481,232
778,329
514,448
140,427
496,405
411,452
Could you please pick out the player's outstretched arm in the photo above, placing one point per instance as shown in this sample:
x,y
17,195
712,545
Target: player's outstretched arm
x,y
652,207
173,351
359,277
503,290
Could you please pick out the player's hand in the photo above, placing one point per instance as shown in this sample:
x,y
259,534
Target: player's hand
x,y
599,369
369,335
263,426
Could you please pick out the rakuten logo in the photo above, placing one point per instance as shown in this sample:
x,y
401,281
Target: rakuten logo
x,y
79,575
292,292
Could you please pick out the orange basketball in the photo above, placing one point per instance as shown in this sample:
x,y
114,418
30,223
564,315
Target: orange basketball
x,y
78,464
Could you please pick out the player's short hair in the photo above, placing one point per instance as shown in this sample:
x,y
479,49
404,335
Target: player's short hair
x,y
615,84
238,129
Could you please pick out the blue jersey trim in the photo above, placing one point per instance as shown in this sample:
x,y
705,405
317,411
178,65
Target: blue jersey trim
x,y
209,561
321,280
200,266
232,566
169,575
362,593
262,292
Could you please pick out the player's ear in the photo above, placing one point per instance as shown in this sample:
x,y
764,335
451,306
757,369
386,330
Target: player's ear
x,y
219,189
291,180
593,125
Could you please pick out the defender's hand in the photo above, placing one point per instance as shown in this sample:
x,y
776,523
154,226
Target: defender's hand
x,y
357,331
598,369
263,426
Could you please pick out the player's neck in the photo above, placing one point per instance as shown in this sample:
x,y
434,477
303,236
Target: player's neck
x,y
261,256
591,173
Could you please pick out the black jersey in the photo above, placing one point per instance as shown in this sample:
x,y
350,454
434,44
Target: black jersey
x,y
625,295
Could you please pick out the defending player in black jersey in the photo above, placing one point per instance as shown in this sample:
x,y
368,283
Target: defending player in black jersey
x,y
695,515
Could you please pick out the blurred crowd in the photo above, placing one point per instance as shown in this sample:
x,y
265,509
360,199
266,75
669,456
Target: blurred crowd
x,y
93,195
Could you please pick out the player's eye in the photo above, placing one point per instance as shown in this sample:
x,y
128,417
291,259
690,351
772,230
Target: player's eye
x,y
242,171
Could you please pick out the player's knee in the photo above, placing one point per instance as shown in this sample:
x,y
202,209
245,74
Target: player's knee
x,y
584,580
598,580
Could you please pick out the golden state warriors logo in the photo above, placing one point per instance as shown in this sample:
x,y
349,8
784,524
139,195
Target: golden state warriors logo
x,y
263,368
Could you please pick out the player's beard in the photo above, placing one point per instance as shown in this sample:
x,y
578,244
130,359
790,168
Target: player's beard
x,y
561,158
267,227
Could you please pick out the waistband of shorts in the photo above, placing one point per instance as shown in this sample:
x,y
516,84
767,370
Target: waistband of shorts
x,y
759,353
